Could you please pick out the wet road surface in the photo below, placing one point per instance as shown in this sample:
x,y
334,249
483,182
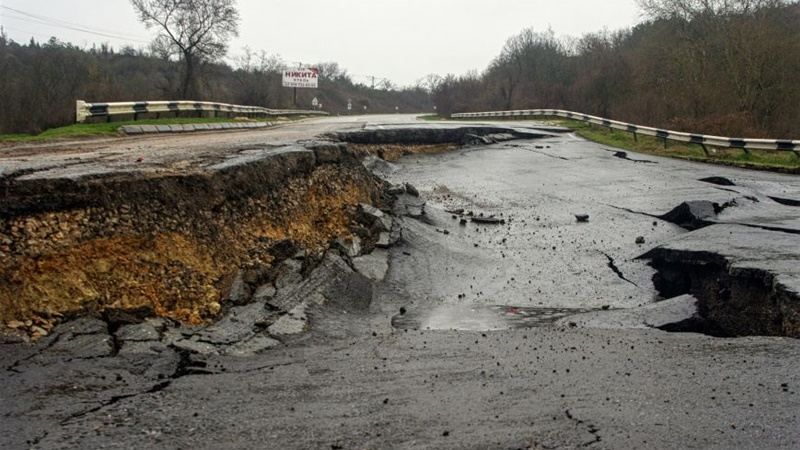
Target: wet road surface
x,y
479,355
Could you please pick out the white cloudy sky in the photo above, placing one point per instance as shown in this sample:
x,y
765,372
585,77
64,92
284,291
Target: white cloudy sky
x,y
398,39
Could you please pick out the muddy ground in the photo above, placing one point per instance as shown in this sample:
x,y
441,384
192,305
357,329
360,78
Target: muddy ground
x,y
499,317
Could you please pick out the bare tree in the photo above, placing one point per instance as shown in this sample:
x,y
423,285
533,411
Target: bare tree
x,y
196,31
688,9
429,82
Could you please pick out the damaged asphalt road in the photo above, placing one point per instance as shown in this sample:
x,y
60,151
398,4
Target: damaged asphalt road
x,y
530,331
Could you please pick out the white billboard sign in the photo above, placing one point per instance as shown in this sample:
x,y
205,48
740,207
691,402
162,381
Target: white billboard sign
x,y
301,78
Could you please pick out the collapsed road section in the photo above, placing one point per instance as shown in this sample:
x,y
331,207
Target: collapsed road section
x,y
185,245
174,245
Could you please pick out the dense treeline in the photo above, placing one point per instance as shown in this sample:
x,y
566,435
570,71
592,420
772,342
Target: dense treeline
x,y
40,82
729,67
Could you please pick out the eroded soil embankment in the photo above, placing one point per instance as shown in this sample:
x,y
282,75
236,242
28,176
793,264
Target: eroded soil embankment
x,y
170,245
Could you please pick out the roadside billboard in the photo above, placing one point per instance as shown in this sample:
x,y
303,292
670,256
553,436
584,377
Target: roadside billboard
x,y
301,78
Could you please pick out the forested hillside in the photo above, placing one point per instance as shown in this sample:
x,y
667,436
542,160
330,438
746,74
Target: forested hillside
x,y
729,67
40,82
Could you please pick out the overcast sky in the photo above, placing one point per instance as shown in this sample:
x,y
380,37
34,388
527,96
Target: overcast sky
x,y
402,40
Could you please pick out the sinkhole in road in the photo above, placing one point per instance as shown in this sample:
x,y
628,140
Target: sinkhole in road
x,y
731,302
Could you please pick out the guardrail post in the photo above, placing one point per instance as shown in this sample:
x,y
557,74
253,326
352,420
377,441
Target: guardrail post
x,y
81,111
705,149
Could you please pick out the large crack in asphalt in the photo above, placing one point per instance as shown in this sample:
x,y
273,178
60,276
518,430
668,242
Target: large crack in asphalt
x,y
719,181
613,266
785,201
185,366
38,351
591,428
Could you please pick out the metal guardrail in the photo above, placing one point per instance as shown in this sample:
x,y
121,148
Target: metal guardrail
x,y
700,139
92,111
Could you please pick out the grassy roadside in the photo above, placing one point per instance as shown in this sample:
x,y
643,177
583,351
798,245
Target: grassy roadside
x,y
86,130
780,161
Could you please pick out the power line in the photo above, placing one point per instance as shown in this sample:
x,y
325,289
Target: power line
x,y
57,23
19,30
53,20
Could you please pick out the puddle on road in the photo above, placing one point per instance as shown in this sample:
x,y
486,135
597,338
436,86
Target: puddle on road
x,y
470,317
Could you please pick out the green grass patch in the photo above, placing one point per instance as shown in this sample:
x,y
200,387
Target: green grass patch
x,y
80,130
431,117
757,159
84,130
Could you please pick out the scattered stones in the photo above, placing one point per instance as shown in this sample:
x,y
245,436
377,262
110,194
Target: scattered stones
x,y
640,240
411,190
15,324
37,331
